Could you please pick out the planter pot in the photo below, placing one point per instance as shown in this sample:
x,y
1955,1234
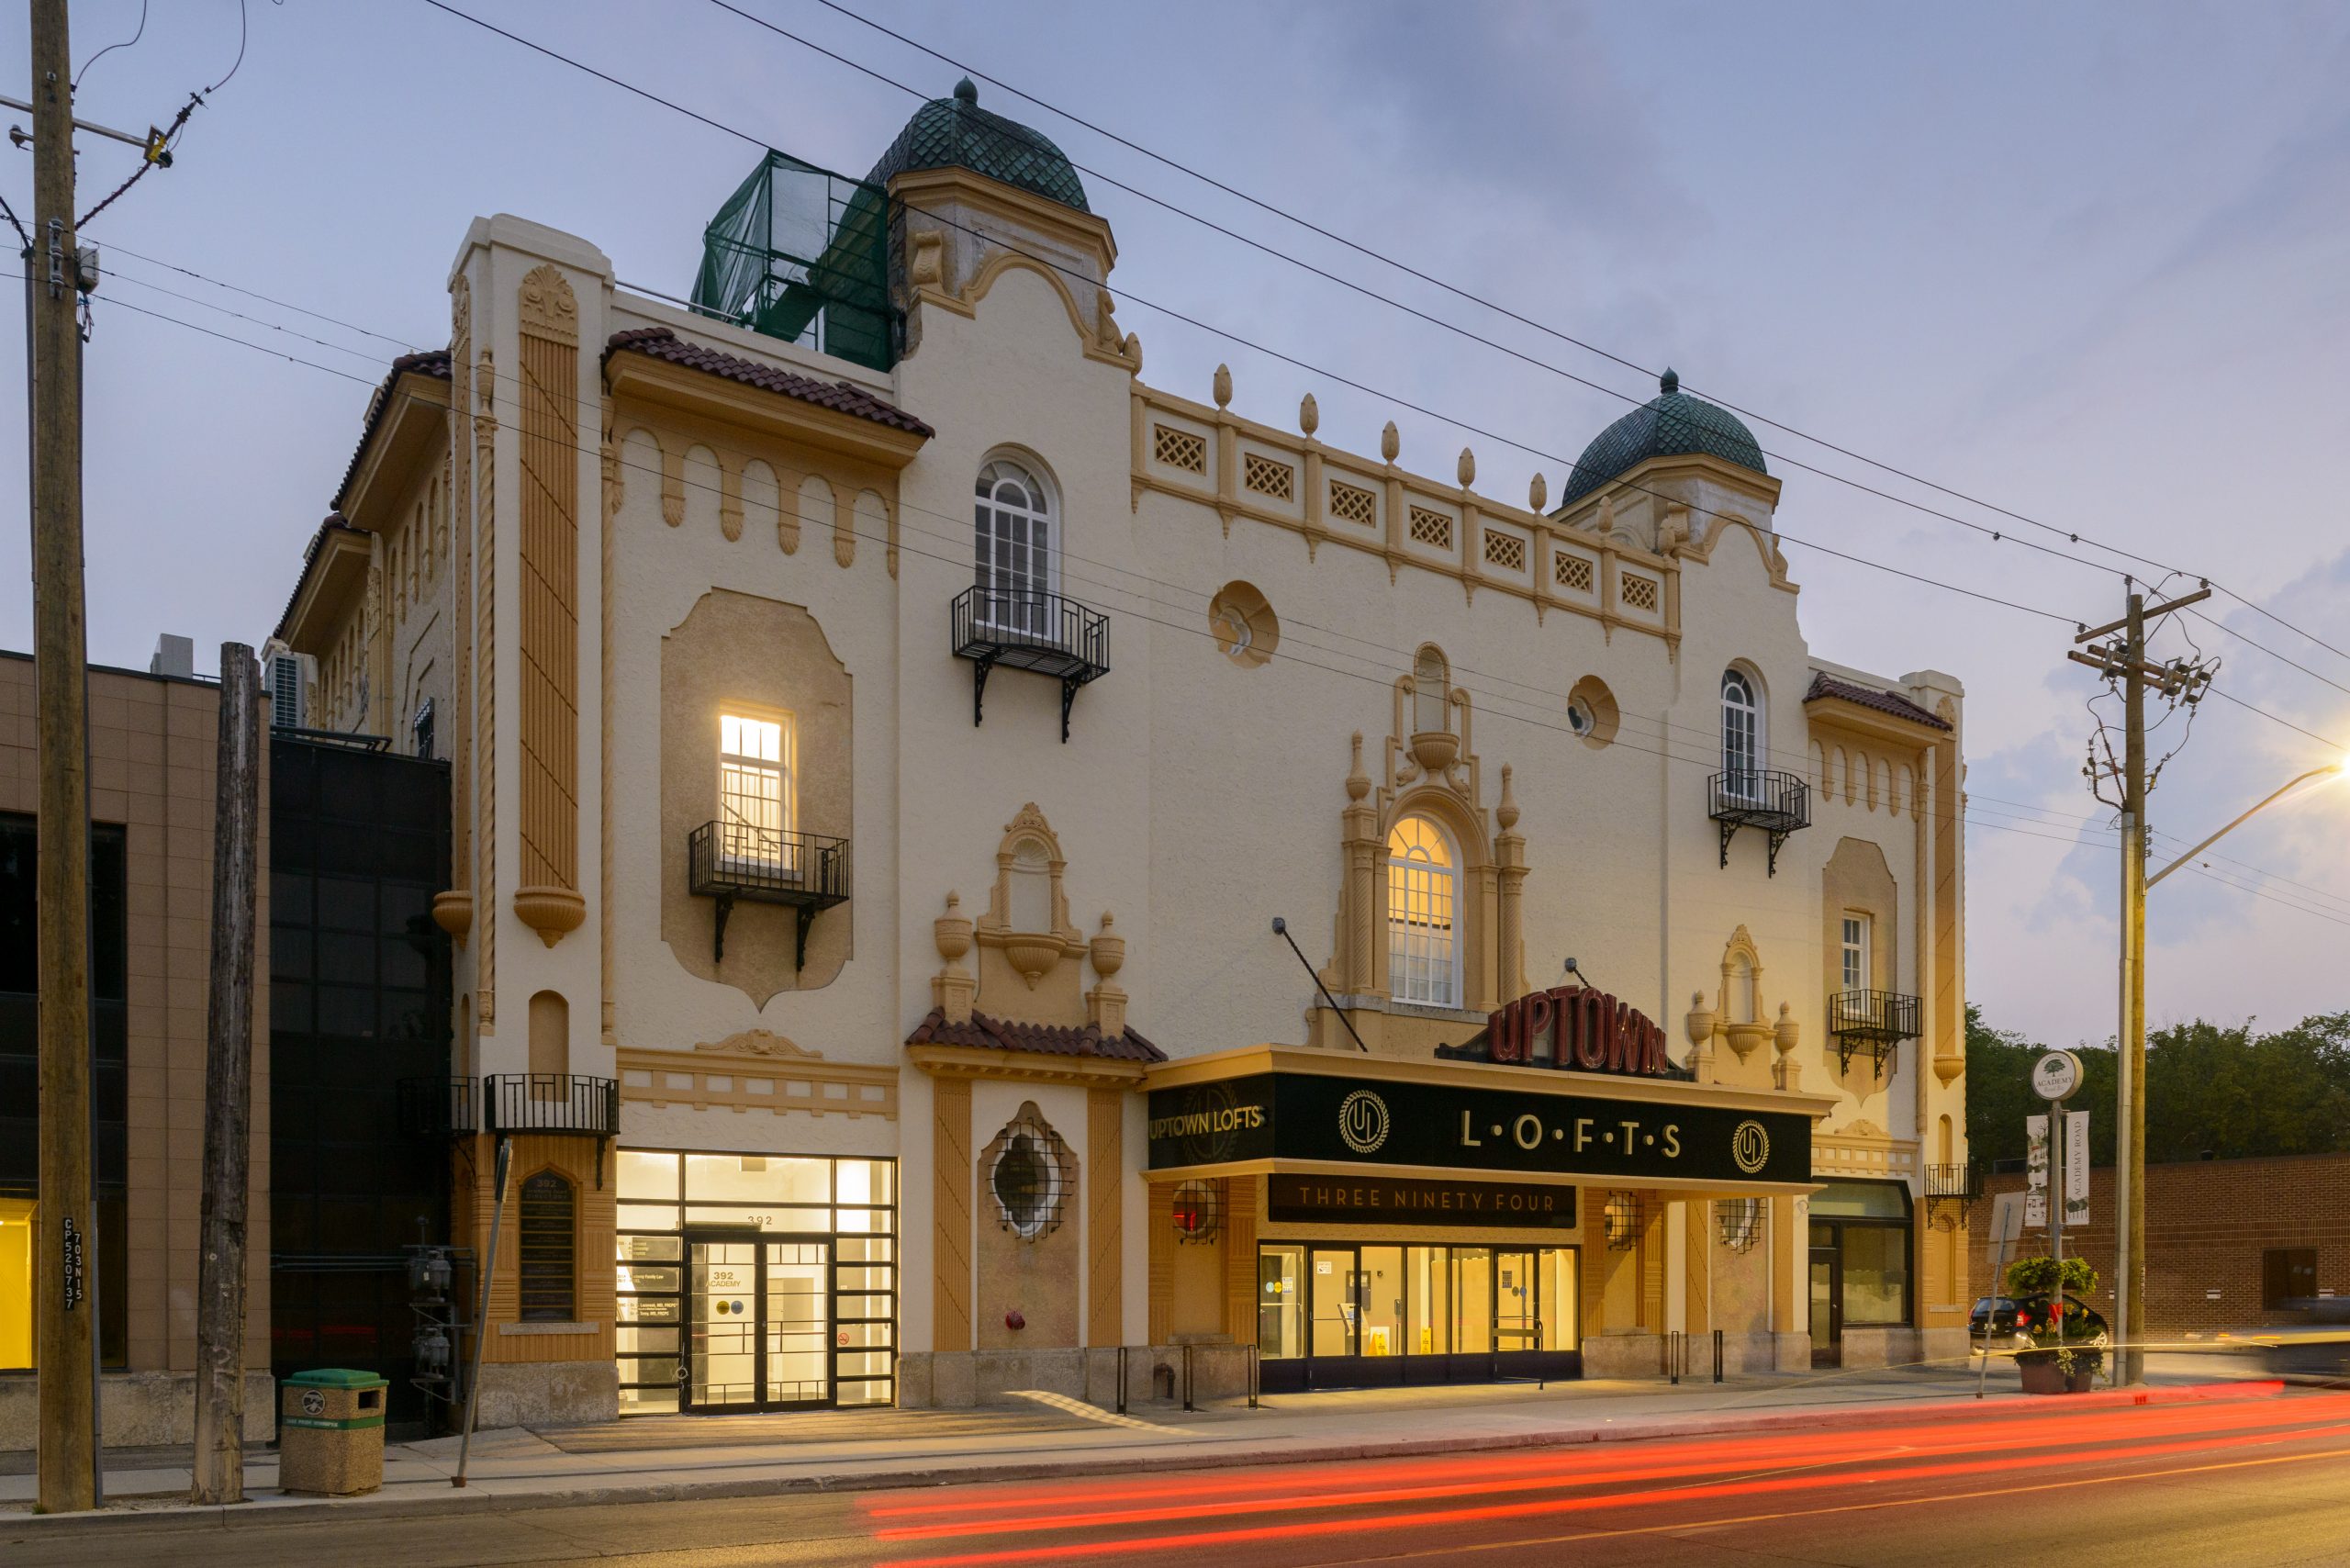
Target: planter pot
x,y
2046,1377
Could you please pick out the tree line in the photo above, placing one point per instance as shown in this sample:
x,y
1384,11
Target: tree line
x,y
2213,1092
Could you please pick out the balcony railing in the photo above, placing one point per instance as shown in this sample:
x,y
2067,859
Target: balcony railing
x,y
551,1102
1042,632
440,1107
1778,804
1874,1021
731,860
1952,1190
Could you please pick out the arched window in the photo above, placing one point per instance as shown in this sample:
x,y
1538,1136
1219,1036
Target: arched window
x,y
549,1282
1423,888
1741,734
1013,548
1430,677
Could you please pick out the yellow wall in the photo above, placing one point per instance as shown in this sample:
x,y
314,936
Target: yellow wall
x,y
16,1282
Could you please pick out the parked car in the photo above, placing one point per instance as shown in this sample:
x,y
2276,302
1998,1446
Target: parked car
x,y
1996,1318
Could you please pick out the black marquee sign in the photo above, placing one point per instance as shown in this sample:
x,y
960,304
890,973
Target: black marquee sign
x,y
1333,1119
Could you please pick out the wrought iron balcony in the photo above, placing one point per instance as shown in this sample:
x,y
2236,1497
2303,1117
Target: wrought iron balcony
x,y
440,1107
1952,1190
1874,1021
1778,804
731,860
551,1102
1042,632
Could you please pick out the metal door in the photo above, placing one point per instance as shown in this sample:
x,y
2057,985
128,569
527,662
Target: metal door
x,y
720,1370
1827,1306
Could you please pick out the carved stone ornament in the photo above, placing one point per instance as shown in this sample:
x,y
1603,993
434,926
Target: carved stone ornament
x,y
761,1043
454,912
953,987
1537,494
552,912
1309,414
1467,468
1390,443
928,268
1222,386
547,307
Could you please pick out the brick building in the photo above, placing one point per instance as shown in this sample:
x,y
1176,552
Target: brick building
x,y
2226,1239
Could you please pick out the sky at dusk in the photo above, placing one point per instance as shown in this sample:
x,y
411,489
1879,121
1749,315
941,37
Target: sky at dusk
x,y
2086,264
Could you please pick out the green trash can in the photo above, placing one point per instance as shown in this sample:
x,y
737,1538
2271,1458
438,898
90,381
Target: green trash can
x,y
331,1432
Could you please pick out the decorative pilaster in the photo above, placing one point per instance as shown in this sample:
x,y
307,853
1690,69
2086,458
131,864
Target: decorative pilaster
x,y
452,909
548,899
1509,857
485,686
954,987
1361,913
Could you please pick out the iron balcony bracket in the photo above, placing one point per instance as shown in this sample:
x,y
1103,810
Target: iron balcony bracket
x,y
725,897
980,665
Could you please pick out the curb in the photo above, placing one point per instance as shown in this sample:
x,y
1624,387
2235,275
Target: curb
x,y
455,1502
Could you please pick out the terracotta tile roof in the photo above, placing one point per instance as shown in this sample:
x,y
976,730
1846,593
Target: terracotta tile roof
x,y
433,362
1042,1039
661,343
1869,697
334,524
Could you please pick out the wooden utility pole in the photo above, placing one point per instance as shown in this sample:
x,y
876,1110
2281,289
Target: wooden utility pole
x,y
66,1315
2125,660
227,1090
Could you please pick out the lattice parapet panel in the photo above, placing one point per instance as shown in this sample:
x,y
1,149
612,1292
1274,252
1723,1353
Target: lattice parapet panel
x,y
1267,477
1639,593
1571,573
1179,449
1431,528
1352,503
1506,551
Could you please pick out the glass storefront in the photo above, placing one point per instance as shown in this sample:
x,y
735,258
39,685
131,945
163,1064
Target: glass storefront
x,y
751,1281
1348,1315
1859,1274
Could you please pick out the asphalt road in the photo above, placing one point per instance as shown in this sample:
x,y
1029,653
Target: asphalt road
x,y
2242,1479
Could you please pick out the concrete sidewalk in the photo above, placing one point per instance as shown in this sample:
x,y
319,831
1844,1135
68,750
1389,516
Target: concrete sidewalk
x,y
670,1458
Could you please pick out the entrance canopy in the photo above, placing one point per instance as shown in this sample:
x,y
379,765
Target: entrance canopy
x,y
1274,1108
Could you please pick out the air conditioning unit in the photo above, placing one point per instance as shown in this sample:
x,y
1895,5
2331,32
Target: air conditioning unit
x,y
289,684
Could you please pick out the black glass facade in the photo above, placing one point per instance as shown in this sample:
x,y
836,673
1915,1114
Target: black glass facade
x,y
359,1000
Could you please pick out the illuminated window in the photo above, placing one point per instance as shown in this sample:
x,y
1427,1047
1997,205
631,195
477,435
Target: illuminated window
x,y
1856,952
1423,881
754,790
1014,556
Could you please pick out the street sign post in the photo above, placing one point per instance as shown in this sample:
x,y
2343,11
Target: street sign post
x,y
2054,1076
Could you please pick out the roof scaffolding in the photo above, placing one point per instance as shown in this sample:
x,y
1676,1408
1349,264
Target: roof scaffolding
x,y
801,253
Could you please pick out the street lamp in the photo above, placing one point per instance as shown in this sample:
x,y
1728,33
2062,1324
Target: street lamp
x,y
2331,770
2130,1230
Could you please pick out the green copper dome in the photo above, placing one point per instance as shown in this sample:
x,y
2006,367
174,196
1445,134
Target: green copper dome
x,y
1670,424
956,133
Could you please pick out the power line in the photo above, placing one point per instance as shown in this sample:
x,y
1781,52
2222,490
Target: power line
x,y
1392,303
1253,346
1384,679
1389,260
401,344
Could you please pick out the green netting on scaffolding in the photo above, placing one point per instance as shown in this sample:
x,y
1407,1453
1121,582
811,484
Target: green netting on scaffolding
x,y
801,253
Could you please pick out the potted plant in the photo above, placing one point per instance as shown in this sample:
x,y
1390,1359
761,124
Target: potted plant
x,y
2063,1352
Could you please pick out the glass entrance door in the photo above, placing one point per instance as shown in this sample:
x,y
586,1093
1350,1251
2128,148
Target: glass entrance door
x,y
1336,1302
1826,1308
758,1321
1517,1321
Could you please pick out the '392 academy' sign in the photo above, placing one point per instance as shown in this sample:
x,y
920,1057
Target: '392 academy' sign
x,y
1331,1118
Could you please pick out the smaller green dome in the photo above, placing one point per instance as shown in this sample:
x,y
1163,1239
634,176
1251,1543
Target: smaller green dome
x,y
955,133
1670,424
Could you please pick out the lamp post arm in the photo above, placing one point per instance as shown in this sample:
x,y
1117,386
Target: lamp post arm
x,y
2288,786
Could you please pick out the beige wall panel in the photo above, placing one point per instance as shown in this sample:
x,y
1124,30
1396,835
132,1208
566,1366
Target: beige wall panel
x,y
950,1215
1105,1111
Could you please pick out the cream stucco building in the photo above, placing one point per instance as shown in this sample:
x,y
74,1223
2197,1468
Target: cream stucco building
x,y
885,728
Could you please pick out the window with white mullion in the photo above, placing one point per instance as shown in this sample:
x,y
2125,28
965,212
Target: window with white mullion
x,y
1423,955
1012,548
755,792
1856,952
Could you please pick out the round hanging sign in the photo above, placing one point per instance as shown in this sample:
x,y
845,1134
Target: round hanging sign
x,y
2056,1075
